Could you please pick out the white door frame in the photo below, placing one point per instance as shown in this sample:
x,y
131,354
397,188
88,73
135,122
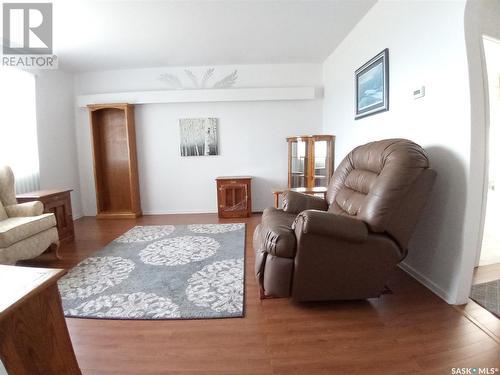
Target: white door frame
x,y
486,164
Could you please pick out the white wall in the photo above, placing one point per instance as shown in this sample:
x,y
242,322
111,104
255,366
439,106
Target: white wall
x,y
56,134
252,136
426,47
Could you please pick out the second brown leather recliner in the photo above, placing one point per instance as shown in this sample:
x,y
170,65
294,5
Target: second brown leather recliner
x,y
345,247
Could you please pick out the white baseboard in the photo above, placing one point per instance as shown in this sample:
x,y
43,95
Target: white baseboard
x,y
433,287
170,212
180,212
159,213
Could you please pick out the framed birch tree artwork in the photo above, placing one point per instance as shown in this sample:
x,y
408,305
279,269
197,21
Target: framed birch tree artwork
x,y
199,136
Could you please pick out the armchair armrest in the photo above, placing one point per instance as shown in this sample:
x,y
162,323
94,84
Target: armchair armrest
x,y
34,208
297,202
328,224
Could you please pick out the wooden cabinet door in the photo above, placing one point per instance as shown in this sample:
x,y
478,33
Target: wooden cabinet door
x,y
298,163
233,198
310,161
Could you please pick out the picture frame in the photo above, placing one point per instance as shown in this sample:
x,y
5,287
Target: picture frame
x,y
199,136
372,86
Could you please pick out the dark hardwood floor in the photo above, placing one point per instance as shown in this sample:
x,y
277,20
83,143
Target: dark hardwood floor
x,y
411,331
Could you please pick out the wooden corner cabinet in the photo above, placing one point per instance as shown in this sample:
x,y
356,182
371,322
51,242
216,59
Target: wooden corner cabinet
x,y
310,161
115,161
234,196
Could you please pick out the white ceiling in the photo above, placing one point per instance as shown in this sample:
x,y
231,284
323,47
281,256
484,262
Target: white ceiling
x,y
102,35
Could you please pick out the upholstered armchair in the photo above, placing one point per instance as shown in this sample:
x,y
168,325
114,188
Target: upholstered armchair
x,y
345,246
25,231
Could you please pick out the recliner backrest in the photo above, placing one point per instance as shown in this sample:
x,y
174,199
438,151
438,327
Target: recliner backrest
x,y
3,213
385,184
7,186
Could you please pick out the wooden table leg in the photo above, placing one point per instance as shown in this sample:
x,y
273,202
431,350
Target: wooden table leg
x,y
277,199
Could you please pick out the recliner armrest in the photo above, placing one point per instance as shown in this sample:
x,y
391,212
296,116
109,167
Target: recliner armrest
x,y
297,202
34,208
328,224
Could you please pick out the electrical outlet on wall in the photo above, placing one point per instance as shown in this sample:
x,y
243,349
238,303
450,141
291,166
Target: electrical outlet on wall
x,y
419,92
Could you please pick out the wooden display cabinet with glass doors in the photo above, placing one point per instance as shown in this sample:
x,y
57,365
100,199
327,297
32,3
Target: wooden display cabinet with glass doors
x,y
310,161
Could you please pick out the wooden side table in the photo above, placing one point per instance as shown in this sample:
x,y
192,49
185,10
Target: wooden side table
x,y
234,196
311,191
35,338
57,202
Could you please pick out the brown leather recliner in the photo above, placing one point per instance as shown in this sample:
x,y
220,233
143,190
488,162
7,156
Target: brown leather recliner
x,y
345,247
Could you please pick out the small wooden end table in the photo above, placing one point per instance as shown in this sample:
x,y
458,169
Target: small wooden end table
x,y
57,202
35,338
310,191
234,196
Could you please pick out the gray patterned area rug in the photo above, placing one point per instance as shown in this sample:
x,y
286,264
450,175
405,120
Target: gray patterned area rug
x,y
488,296
161,272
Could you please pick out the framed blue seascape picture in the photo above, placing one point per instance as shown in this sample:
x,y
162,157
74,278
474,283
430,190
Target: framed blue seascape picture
x,y
372,86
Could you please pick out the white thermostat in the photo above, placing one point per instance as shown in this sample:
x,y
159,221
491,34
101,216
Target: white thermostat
x,y
419,92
